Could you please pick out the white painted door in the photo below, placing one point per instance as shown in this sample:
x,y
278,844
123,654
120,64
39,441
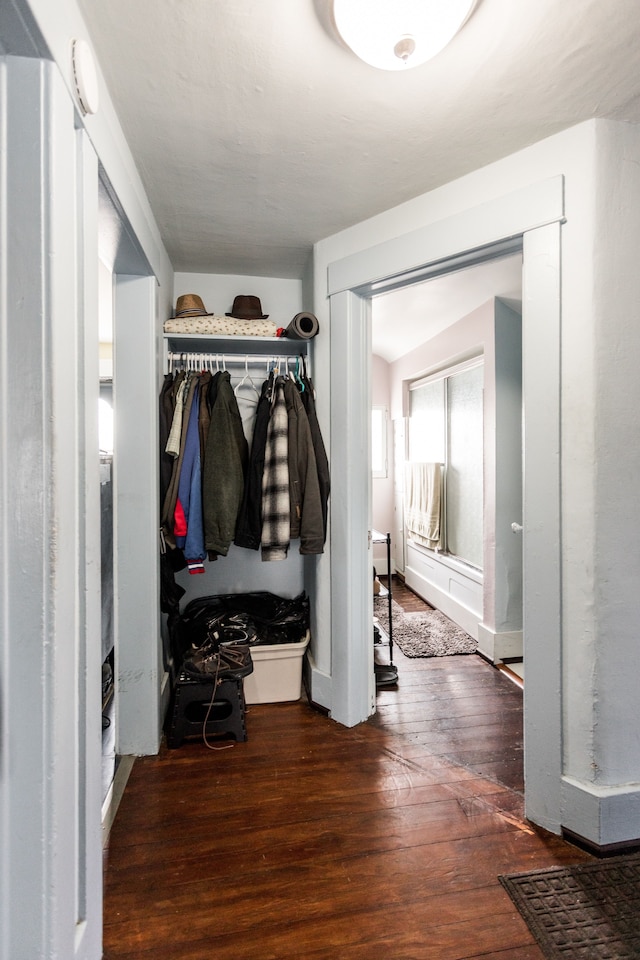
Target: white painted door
x,y
50,656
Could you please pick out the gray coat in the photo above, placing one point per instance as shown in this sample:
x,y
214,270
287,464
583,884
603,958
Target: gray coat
x,y
304,491
225,463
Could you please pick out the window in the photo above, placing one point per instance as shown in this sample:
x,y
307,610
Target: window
x,y
379,442
446,426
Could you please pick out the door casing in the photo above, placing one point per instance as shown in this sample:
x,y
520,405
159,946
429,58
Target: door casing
x,y
530,219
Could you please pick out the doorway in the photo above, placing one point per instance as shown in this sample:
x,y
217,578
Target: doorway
x,y
446,366
352,282
451,380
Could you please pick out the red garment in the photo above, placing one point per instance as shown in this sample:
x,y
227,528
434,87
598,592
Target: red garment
x,y
179,521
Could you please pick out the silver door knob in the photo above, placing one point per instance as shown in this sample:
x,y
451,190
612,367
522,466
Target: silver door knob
x,y
516,527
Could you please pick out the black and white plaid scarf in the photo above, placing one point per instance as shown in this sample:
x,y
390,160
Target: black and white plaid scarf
x,y
275,483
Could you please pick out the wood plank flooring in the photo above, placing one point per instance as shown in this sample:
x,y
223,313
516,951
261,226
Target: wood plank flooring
x,y
314,841
480,724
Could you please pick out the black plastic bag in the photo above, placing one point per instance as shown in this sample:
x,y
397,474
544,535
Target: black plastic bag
x,y
275,619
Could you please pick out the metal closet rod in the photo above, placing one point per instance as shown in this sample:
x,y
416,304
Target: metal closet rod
x,y
195,361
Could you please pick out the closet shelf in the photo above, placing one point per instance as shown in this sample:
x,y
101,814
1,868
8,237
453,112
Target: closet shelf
x,y
239,346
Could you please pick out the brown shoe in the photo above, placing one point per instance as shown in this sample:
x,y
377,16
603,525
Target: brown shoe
x,y
230,661
235,658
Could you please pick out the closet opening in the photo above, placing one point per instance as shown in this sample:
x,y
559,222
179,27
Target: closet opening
x,y
451,375
258,475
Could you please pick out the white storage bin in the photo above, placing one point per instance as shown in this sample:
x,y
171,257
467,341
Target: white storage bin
x,y
277,672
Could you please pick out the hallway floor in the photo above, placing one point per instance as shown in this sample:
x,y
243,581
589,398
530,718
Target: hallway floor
x,y
311,841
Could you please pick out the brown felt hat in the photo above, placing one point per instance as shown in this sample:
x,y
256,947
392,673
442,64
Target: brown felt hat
x,y
190,305
247,308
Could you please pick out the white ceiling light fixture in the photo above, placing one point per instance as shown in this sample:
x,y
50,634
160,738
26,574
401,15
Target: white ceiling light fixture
x,y
398,34
85,76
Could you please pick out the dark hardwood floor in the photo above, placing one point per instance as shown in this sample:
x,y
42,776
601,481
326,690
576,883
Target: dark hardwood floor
x,y
479,724
315,841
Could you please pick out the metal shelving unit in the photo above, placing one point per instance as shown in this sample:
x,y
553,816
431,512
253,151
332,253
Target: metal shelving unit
x,y
386,673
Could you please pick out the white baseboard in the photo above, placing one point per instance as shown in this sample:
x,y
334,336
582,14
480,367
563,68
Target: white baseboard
x,y
463,616
320,685
496,646
602,815
114,795
381,566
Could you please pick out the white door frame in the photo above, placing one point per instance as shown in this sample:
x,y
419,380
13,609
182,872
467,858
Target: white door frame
x,y
141,688
353,684
138,652
531,216
50,651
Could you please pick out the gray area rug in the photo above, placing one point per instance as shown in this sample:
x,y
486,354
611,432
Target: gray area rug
x,y
590,911
428,634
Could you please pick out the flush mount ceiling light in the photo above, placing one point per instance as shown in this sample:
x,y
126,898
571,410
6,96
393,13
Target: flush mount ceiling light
x,y
398,34
85,76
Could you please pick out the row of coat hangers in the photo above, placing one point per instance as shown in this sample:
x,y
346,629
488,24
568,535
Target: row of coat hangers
x,y
217,362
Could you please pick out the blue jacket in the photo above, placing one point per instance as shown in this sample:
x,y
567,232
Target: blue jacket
x,y
190,490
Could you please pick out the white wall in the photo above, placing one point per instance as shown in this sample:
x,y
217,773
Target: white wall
x,y
601,747
599,455
281,298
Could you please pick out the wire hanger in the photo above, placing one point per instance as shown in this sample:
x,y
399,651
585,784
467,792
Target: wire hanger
x,y
247,381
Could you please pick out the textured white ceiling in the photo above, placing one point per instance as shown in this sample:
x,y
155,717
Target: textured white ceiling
x,y
406,318
256,132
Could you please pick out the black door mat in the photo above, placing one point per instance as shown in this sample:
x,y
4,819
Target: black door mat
x,y
590,911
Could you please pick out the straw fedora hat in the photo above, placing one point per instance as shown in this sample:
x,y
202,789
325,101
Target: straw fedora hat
x,y
190,305
247,308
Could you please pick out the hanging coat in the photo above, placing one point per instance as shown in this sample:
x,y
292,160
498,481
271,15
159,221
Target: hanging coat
x,y
223,472
166,409
249,526
190,493
322,461
304,492
169,506
276,510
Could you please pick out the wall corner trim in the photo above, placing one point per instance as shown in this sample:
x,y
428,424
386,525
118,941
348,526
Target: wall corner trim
x,y
495,645
601,814
320,686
